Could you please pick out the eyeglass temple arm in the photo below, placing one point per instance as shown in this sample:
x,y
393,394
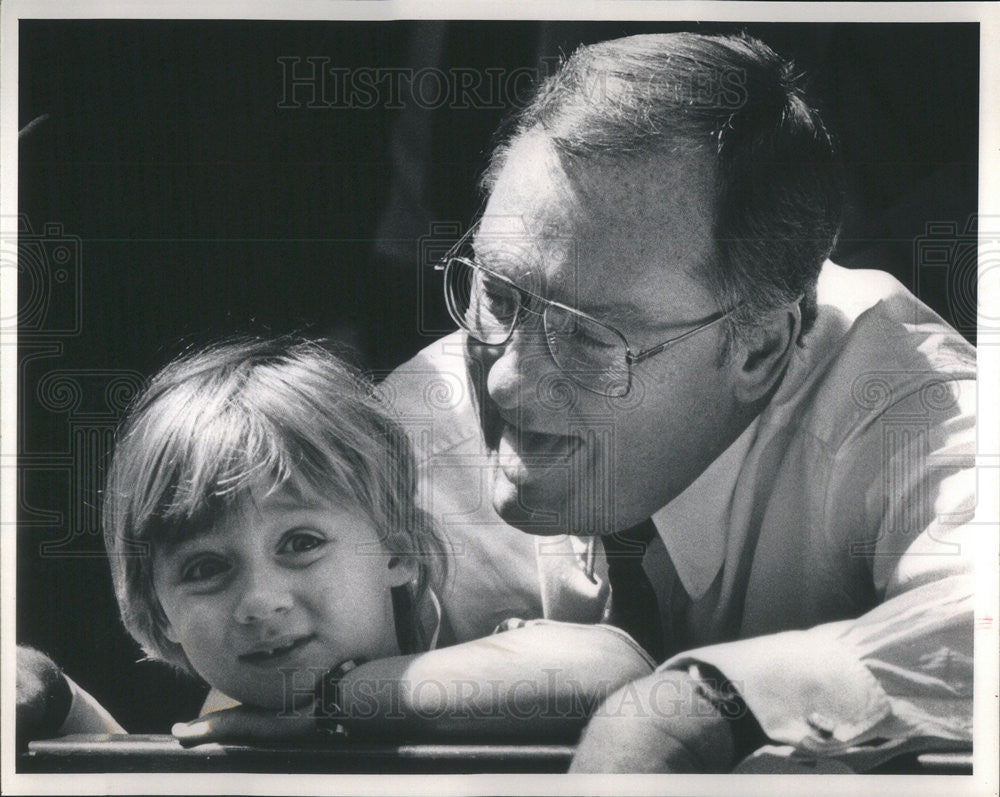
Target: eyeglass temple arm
x,y
638,357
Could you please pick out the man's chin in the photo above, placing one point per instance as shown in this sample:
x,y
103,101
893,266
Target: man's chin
x,y
533,509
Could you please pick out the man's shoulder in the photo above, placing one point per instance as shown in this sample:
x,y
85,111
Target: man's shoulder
x,y
431,398
440,362
890,330
870,315
875,346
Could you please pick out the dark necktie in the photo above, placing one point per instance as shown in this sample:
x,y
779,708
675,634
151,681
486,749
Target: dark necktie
x,y
634,607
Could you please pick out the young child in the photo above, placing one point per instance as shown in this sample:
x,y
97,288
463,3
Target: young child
x,y
261,523
260,520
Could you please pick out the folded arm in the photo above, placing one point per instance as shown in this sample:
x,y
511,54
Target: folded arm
x,y
541,681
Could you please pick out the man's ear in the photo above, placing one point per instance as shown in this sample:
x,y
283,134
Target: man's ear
x,y
760,362
402,569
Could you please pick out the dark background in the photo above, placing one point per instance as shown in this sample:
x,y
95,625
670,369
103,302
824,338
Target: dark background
x,y
166,199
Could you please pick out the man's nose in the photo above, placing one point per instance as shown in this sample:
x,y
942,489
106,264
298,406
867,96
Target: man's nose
x,y
264,597
514,369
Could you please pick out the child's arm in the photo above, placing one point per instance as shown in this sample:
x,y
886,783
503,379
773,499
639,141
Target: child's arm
x,y
542,681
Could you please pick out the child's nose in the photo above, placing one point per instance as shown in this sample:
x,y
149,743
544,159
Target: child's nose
x,y
262,599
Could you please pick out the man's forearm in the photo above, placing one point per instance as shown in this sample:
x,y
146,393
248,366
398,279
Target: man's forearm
x,y
660,723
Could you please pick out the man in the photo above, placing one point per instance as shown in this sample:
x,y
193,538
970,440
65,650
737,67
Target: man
x,y
651,331
775,452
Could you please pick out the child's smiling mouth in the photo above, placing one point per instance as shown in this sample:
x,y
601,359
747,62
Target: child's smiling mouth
x,y
276,650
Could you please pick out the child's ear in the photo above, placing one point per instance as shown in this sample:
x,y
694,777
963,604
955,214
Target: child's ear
x,y
402,569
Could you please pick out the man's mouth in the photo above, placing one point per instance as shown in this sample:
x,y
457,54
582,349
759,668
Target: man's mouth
x,y
520,451
275,651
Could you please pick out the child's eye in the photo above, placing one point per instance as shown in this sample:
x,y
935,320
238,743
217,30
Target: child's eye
x,y
204,569
300,542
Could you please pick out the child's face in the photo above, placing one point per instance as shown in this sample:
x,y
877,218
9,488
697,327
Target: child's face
x,y
282,584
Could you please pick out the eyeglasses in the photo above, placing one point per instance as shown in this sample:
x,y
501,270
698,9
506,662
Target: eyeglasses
x,y
593,354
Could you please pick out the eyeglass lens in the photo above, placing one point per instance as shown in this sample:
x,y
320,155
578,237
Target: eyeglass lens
x,y
487,307
591,354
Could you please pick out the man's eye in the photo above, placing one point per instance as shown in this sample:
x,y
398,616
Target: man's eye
x,y
495,297
301,542
204,569
569,332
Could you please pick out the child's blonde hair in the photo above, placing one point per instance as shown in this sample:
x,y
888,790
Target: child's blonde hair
x,y
243,418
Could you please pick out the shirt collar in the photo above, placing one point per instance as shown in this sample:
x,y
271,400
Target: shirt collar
x,y
694,526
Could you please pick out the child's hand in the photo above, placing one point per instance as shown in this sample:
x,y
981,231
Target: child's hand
x,y
244,723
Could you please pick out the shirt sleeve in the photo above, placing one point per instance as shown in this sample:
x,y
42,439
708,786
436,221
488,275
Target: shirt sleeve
x,y
899,677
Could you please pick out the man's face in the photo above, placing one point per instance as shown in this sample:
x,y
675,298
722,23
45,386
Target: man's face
x,y
620,247
283,585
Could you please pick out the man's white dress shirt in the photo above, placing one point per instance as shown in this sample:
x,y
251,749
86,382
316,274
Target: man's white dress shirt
x,y
827,555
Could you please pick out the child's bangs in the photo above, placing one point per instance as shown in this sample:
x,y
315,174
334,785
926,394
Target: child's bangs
x,y
211,460
217,458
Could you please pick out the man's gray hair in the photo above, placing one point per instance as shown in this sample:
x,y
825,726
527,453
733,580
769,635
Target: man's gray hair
x,y
779,186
